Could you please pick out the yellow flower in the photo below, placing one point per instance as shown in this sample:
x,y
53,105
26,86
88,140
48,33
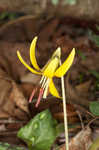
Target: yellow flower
x,y
50,70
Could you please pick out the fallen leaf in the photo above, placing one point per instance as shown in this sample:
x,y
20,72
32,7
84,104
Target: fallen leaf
x,y
27,89
72,94
71,115
81,141
12,101
17,97
83,87
2,128
30,78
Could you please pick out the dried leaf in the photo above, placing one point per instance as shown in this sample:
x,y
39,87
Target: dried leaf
x,y
74,96
17,97
30,78
71,114
83,87
81,141
12,101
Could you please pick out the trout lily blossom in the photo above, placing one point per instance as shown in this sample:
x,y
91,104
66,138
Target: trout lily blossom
x,y
50,70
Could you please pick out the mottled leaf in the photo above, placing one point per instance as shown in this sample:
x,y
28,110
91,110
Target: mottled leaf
x,y
41,132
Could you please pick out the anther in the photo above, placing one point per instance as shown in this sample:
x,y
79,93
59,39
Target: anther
x,y
46,88
32,95
44,82
42,79
39,98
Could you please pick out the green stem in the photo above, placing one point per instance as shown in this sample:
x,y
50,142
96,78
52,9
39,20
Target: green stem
x,y
65,113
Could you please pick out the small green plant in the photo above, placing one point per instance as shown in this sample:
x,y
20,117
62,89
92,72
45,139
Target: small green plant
x,y
94,108
70,2
55,2
6,146
41,132
64,2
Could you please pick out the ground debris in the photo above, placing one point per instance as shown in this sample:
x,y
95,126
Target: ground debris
x,y
17,84
81,141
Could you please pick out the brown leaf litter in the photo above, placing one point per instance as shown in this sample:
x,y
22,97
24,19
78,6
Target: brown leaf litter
x,y
17,84
81,141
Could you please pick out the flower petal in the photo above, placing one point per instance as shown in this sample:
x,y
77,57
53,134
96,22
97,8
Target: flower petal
x,y
51,66
66,65
26,65
53,89
32,54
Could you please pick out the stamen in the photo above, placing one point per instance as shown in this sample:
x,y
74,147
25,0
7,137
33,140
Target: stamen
x,y
46,88
32,95
42,79
44,82
39,98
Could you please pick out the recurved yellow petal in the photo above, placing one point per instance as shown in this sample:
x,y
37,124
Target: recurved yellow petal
x,y
26,65
32,54
66,65
53,62
53,89
51,67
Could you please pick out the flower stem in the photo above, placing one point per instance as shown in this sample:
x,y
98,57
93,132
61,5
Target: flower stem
x,y
65,113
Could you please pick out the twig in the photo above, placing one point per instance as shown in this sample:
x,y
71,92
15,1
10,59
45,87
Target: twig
x,y
90,122
8,133
65,113
80,117
11,121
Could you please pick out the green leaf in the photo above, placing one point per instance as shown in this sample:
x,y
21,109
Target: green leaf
x,y
64,2
55,2
40,133
6,146
94,108
71,2
59,129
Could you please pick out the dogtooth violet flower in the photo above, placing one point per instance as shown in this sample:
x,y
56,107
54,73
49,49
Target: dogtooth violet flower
x,y
50,70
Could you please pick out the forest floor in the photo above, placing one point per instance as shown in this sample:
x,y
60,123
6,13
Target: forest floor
x,y
81,81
